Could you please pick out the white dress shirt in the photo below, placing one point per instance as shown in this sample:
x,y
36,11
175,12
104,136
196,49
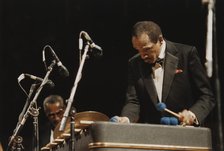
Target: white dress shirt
x,y
159,72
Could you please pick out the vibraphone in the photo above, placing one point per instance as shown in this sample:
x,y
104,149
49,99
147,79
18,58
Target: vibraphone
x,y
107,136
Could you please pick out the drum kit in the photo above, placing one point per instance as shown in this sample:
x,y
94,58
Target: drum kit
x,y
82,121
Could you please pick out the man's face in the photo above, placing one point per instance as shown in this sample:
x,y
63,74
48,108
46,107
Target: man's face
x,y
55,113
148,50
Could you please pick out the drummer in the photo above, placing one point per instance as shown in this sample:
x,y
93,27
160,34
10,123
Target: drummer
x,y
54,109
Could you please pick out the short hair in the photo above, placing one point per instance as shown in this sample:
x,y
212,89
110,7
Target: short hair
x,y
148,27
52,99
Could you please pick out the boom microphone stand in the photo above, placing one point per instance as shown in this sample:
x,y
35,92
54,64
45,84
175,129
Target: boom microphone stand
x,y
33,110
73,91
17,142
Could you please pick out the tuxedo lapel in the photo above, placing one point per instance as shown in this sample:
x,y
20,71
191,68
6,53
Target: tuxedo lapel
x,y
146,72
170,67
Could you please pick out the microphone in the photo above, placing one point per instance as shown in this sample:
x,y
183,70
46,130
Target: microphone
x,y
38,79
62,69
162,107
92,44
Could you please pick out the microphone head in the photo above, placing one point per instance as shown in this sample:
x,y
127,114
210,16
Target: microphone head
x,y
173,121
63,71
95,53
165,121
160,106
38,80
50,84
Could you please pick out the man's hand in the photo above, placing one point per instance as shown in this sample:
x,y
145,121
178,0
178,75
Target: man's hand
x,y
188,118
119,119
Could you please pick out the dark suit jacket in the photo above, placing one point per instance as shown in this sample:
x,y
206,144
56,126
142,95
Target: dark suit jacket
x,y
45,133
185,86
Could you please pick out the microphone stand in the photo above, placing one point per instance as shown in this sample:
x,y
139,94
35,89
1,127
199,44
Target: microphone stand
x,y
74,88
209,39
33,110
72,130
19,139
17,144
217,83
32,88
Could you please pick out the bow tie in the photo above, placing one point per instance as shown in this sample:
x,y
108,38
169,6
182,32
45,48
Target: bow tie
x,y
159,61
158,64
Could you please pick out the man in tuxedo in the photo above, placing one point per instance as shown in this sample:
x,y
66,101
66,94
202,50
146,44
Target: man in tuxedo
x,y
168,73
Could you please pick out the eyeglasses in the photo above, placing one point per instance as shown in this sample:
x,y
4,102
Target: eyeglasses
x,y
57,113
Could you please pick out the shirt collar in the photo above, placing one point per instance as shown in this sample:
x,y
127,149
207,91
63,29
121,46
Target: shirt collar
x,y
162,50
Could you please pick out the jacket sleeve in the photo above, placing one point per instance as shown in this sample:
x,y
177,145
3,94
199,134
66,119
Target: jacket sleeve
x,y
132,107
205,102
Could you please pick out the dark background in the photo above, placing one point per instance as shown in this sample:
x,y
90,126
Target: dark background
x,y
26,26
